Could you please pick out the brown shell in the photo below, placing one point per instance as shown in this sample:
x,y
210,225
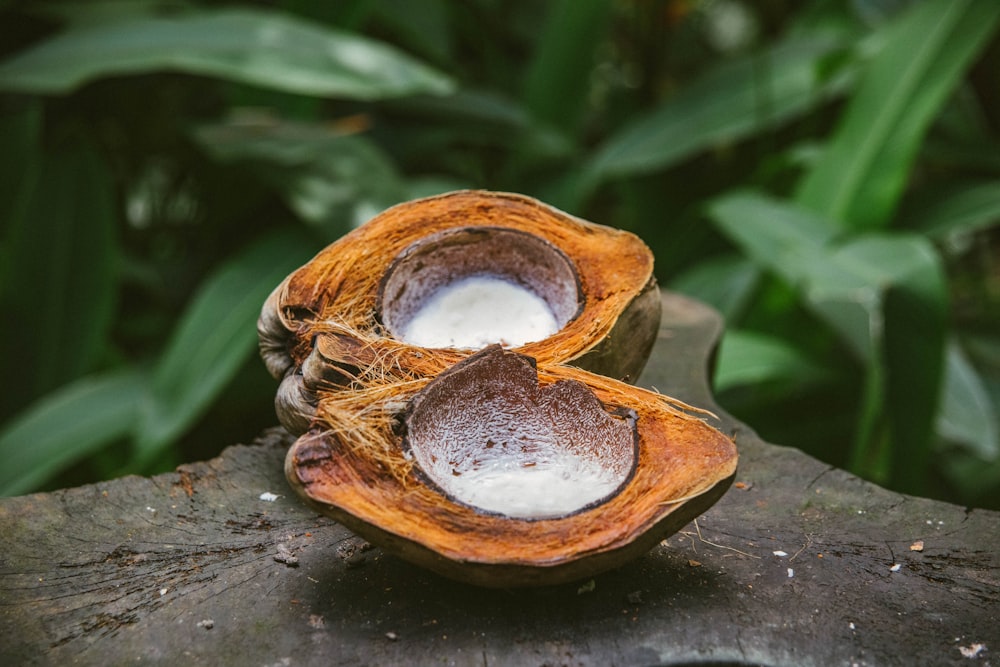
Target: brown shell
x,y
613,333
348,384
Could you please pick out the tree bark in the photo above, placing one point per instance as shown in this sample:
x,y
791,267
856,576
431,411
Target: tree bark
x,y
799,564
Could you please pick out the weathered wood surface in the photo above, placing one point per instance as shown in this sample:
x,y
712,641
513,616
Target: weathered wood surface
x,y
799,564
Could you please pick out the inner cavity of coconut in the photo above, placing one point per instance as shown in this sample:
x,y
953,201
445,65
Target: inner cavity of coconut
x,y
488,436
474,286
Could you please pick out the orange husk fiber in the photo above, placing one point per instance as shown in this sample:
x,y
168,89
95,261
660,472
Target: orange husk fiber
x,y
359,380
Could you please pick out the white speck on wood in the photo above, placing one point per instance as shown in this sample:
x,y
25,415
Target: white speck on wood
x,y
972,651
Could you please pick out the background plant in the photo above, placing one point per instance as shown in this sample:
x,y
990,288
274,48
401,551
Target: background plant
x,y
826,174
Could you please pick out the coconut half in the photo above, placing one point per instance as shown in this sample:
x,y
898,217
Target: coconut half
x,y
485,454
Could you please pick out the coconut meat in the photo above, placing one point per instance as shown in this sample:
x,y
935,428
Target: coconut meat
x,y
477,311
489,436
557,485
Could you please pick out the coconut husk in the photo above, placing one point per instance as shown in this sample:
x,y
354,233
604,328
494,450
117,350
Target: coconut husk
x,y
349,386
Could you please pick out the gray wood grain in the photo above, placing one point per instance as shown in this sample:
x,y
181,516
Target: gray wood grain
x,y
799,564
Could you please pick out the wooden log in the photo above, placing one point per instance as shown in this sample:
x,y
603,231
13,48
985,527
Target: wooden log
x,y
799,564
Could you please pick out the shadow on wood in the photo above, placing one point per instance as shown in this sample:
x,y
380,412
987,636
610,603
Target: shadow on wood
x,y
799,564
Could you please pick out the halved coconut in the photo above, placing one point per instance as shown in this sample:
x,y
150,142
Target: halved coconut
x,y
597,281
599,473
529,465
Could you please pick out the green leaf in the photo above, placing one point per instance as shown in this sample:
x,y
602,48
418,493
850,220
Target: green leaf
x,y
967,416
214,337
726,283
472,117
471,108
975,483
20,135
559,77
732,101
60,290
422,25
864,169
960,208
915,323
257,47
844,282
332,180
884,294
777,236
102,11
750,358
66,426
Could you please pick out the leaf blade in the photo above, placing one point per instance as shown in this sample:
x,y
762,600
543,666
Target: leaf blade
x,y
864,168
728,103
66,426
331,180
558,77
749,357
60,290
726,283
262,48
967,416
214,337
960,208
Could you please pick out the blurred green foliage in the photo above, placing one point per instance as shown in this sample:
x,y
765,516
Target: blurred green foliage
x,y
826,174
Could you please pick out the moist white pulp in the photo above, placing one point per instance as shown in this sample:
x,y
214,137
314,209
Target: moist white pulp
x,y
478,311
545,489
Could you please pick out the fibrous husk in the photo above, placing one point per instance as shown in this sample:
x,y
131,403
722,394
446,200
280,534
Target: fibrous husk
x,y
351,388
